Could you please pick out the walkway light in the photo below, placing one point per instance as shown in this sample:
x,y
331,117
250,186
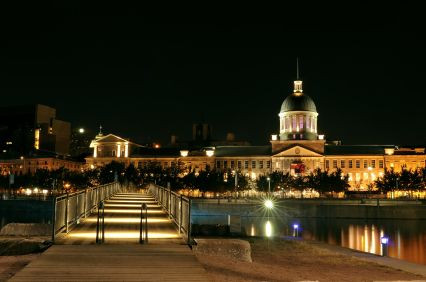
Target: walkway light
x,y
184,153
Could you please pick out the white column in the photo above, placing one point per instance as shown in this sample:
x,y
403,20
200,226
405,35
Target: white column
x,y
95,151
118,150
126,150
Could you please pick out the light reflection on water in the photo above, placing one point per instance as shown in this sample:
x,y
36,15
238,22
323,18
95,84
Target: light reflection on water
x,y
407,238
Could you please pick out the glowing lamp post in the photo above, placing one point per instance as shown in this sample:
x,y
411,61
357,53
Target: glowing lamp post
x,y
269,185
295,230
385,242
268,204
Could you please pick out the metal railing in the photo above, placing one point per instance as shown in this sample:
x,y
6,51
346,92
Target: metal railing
x,y
70,208
178,208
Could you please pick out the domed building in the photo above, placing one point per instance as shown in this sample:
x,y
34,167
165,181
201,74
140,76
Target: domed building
x,y
298,116
298,149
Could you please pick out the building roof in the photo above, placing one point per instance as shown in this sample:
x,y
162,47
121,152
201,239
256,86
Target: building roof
x,y
240,151
356,149
298,102
155,152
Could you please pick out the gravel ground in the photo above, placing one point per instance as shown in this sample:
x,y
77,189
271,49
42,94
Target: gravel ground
x,y
284,260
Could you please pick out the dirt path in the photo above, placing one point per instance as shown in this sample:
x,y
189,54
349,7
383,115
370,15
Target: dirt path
x,y
279,260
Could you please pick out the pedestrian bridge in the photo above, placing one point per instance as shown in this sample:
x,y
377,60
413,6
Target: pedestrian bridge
x,y
106,246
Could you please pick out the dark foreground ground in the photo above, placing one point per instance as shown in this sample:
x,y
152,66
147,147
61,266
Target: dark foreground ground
x,y
283,260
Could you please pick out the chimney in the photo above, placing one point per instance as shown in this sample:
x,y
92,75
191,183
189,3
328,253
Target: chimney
x,y
230,137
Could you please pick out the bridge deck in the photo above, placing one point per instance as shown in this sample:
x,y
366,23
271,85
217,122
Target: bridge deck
x,y
114,263
76,257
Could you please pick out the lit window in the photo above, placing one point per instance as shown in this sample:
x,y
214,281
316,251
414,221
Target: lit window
x,y
342,163
365,163
350,164
334,163
373,163
357,163
232,164
294,123
239,164
246,164
261,164
268,164
253,164
327,164
301,122
350,176
277,164
365,176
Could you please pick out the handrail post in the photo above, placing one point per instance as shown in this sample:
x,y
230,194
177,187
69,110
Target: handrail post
x,y
170,203
85,203
103,222
97,224
146,223
189,221
66,213
143,239
180,214
54,220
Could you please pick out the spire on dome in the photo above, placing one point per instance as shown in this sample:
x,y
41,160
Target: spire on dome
x,y
297,83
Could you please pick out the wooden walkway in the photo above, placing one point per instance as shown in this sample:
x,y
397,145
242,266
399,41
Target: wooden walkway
x,y
76,257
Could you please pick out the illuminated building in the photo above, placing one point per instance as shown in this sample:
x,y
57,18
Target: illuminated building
x,y
298,149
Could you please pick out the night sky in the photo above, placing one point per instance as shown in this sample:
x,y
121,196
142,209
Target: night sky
x,y
147,81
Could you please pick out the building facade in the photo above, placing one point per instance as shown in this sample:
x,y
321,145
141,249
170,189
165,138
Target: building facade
x,y
25,129
298,149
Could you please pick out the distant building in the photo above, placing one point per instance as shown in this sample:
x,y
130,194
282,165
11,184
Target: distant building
x,y
26,129
298,149
29,165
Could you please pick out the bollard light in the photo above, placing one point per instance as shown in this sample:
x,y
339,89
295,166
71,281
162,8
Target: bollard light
x,y
295,230
385,243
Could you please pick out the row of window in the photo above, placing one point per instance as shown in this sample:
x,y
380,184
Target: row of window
x,y
243,164
350,164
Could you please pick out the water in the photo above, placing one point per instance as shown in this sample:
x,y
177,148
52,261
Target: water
x,y
407,238
25,211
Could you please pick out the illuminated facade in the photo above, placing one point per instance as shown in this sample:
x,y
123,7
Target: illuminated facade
x,y
30,165
298,149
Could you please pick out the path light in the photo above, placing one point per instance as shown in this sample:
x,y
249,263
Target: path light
x,y
295,230
268,204
385,244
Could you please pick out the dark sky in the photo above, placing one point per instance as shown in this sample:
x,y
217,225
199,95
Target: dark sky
x,y
146,81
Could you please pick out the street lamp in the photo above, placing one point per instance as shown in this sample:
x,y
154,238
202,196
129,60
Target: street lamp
x,y
269,185
384,241
268,204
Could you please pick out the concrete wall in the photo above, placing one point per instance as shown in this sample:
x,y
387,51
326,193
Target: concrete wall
x,y
352,209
